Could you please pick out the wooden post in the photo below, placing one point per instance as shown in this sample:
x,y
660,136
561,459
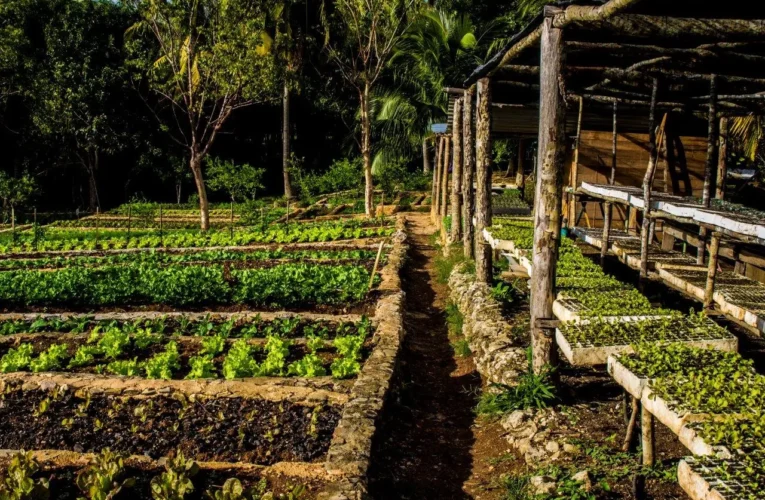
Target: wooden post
x,y
648,182
444,185
520,178
130,218
709,170
483,181
646,426
468,150
714,250
722,159
425,156
435,198
161,224
231,232
575,166
548,194
456,209
609,209
712,137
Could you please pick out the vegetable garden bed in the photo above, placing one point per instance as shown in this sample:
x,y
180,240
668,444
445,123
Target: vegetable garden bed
x,y
710,478
133,476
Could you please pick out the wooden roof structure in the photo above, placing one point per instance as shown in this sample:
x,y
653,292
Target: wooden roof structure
x,y
613,50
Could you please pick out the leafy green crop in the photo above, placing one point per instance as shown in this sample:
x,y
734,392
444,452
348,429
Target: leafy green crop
x,y
239,362
162,365
50,359
17,359
19,482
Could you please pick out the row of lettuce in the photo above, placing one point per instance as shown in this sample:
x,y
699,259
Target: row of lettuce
x,y
74,239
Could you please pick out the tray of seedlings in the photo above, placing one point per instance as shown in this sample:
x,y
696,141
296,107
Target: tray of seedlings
x,y
625,304
708,398
713,478
593,342
509,202
733,217
212,373
594,236
628,252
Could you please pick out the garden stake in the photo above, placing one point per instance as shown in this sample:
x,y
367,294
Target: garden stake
x,y
631,426
129,219
161,242
374,269
232,219
98,220
34,225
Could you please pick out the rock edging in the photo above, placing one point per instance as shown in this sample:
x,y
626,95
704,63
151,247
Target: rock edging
x,y
496,355
349,454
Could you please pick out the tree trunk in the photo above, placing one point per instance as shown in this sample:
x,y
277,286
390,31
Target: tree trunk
x,y
425,156
722,159
456,229
483,181
548,195
512,165
468,174
286,151
92,168
178,191
204,209
648,183
434,197
366,151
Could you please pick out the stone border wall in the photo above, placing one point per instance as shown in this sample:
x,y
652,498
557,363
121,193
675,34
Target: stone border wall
x,y
349,454
497,356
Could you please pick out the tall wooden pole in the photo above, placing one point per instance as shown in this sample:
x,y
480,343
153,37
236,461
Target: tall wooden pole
x,y
519,177
468,151
647,436
608,212
548,194
714,250
426,156
483,180
435,194
648,183
709,170
722,159
444,185
456,209
575,166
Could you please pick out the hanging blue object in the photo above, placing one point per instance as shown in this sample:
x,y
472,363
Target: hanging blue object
x,y
564,232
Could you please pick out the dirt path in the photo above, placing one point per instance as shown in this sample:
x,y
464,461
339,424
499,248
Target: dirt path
x,y
424,449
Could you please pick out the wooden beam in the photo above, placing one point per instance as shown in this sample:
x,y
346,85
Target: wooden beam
x,y
483,181
648,182
548,194
468,151
722,159
456,209
709,291
436,189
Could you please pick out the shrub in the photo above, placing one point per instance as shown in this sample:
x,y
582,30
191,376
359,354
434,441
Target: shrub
x,y
342,175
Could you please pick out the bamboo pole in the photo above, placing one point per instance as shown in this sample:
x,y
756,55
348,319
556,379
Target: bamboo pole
x,y
483,181
714,250
548,194
608,212
648,182
457,161
468,150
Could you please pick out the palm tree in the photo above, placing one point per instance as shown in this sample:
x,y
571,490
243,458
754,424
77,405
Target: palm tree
x,y
438,50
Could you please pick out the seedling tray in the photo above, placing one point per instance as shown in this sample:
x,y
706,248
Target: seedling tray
x,y
594,236
571,310
738,223
656,406
701,481
590,354
616,192
497,244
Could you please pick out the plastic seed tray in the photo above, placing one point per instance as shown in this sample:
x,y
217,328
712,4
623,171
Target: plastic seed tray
x,y
616,192
702,479
566,309
594,236
588,352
